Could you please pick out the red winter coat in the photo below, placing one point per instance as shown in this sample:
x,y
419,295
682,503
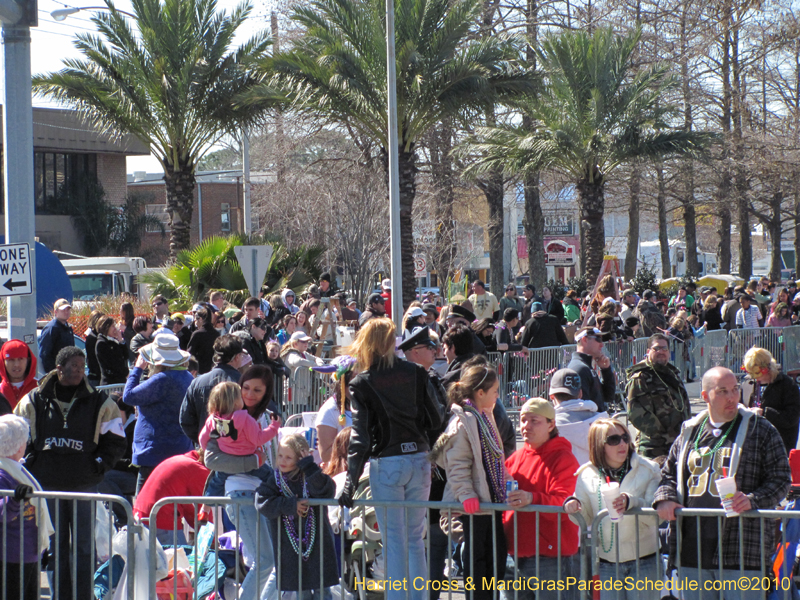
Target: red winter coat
x,y
12,393
387,302
548,472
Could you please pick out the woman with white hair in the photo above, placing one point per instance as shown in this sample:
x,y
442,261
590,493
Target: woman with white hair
x,y
36,525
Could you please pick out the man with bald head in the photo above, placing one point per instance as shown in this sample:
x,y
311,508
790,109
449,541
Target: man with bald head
x,y
725,440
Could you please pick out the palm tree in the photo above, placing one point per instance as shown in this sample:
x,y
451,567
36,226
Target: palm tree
x,y
596,112
172,81
338,71
212,265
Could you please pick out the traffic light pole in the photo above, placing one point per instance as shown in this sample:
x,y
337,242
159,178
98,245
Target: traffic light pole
x,y
18,159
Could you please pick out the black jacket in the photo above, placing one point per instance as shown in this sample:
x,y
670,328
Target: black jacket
x,y
591,388
112,357
257,350
75,452
91,357
780,401
201,346
544,331
504,335
557,310
55,336
393,410
194,410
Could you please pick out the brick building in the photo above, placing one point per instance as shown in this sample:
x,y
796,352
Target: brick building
x,y
217,209
64,147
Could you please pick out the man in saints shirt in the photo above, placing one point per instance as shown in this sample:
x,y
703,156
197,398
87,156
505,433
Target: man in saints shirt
x,y
724,440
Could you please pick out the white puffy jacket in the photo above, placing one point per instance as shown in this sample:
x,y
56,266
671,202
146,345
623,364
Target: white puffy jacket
x,y
640,485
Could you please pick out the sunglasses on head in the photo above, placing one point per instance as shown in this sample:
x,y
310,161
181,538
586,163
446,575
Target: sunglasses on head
x,y
614,440
157,303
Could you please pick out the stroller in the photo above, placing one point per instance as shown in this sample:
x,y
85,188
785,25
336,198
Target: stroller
x,y
362,547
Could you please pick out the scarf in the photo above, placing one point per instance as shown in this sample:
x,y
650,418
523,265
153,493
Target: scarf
x,y
43,523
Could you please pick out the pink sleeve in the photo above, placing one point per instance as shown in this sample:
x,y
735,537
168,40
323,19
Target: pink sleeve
x,y
205,432
270,432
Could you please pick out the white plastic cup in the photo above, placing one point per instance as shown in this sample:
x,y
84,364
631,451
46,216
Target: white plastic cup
x,y
610,492
726,486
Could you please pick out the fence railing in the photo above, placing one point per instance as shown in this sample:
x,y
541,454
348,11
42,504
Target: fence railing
x,y
353,546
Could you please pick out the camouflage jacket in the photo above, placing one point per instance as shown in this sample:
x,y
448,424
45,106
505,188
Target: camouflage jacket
x,y
657,406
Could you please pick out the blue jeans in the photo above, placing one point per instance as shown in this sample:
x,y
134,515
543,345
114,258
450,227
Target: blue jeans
x,y
401,479
710,576
258,544
648,572
548,571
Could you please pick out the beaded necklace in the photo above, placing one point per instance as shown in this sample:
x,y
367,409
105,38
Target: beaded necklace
x,y
717,446
289,520
491,452
615,475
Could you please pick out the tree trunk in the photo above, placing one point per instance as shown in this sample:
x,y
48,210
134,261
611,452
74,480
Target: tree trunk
x,y
493,190
724,188
591,191
740,176
408,190
444,250
632,252
775,232
534,232
179,182
663,238
689,212
725,240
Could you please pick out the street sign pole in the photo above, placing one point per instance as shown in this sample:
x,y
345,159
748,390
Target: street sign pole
x,y
20,226
394,173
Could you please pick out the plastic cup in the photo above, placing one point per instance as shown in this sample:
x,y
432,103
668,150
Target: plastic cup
x,y
726,486
610,492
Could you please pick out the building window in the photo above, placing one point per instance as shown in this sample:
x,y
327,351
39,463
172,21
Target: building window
x,y
159,211
54,172
225,215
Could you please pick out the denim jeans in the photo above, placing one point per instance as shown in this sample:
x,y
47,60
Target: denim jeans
x,y
648,572
402,479
710,576
548,571
259,546
75,519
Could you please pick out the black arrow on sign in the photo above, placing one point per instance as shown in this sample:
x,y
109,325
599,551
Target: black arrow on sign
x,y
10,285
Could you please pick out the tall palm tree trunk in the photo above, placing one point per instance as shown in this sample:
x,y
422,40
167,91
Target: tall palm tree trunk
x,y
408,191
534,231
443,253
180,182
493,190
592,207
663,238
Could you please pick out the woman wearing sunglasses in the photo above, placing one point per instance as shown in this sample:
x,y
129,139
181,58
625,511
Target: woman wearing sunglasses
x,y
613,458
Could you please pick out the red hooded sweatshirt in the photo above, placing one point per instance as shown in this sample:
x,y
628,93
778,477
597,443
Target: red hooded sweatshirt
x,y
17,349
548,472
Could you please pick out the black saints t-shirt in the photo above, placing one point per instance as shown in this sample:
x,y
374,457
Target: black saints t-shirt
x,y
701,472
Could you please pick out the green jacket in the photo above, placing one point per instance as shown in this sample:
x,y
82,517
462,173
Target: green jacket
x,y
657,406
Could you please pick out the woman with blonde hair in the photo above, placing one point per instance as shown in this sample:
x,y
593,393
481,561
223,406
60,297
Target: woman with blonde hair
x,y
394,407
613,458
773,394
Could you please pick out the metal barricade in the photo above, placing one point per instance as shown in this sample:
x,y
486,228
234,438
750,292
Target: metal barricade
x,y
712,351
791,350
81,541
741,340
299,398
612,574
110,388
528,375
426,530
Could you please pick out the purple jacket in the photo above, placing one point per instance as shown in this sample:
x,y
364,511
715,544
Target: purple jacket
x,y
9,524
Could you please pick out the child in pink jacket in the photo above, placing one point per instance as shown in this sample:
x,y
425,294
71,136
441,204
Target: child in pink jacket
x,y
231,425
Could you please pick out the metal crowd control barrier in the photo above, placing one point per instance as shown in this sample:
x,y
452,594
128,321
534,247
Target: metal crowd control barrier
x,y
741,340
361,553
87,537
779,580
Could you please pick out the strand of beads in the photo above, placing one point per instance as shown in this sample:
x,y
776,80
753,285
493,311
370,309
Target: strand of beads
x,y
306,545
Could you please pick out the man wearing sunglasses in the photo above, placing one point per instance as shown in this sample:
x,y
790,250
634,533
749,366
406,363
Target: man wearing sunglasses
x,y
727,440
589,341
657,400
160,310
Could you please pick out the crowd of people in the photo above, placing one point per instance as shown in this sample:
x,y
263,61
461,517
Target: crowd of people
x,y
201,413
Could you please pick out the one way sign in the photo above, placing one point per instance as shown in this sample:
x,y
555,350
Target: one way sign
x,y
15,270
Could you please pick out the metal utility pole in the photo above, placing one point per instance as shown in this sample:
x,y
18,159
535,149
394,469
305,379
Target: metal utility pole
x,y
394,173
17,18
248,217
